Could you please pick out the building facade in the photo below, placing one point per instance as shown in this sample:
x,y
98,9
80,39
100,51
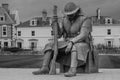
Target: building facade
x,y
108,35
7,23
35,33
106,30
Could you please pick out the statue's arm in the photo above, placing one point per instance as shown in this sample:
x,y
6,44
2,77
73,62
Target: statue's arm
x,y
84,31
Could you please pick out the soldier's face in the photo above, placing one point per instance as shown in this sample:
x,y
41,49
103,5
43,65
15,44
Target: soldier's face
x,y
71,16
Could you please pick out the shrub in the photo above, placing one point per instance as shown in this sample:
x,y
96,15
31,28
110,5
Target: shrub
x,y
12,49
107,50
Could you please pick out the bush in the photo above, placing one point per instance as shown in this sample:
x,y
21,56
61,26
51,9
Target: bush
x,y
27,49
107,50
12,49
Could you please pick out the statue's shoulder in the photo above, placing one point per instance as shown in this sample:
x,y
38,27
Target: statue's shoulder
x,y
84,18
87,23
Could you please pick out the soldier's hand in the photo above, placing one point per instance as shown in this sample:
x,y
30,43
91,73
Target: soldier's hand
x,y
69,47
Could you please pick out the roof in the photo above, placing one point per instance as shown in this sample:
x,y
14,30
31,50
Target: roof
x,y
9,18
95,21
40,22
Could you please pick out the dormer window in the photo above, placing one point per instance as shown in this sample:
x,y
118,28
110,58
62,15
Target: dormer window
x,y
2,18
33,22
108,21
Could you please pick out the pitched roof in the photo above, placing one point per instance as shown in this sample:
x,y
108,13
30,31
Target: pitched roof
x,y
39,20
8,17
95,21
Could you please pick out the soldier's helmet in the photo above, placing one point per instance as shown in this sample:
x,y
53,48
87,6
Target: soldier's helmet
x,y
70,8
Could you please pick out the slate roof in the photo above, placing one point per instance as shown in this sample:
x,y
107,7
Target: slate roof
x,y
40,22
95,21
9,18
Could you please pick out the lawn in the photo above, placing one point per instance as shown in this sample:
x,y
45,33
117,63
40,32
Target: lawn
x,y
109,61
35,61
20,61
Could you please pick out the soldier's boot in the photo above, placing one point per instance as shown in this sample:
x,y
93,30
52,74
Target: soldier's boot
x,y
71,72
74,62
45,65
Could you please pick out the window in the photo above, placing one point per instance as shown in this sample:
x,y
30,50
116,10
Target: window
x,y
109,31
4,31
33,45
5,44
1,18
33,22
33,33
109,44
19,33
108,21
19,44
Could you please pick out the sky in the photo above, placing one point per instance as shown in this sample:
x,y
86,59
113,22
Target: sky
x,y
31,8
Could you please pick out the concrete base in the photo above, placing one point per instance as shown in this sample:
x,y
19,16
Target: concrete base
x,y
26,74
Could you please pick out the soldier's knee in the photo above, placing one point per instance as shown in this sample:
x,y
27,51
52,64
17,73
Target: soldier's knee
x,y
74,49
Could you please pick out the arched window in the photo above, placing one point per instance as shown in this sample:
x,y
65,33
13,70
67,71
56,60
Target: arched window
x,y
33,43
109,42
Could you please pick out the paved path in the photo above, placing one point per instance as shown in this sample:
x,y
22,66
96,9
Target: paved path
x,y
25,74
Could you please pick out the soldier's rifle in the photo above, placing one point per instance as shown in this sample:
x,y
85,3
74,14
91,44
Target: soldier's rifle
x,y
55,33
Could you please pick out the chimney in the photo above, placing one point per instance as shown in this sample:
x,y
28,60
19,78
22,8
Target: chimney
x,y
5,6
44,15
15,12
98,13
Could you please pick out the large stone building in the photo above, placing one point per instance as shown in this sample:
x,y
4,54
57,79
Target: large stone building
x,y
7,23
34,33
106,30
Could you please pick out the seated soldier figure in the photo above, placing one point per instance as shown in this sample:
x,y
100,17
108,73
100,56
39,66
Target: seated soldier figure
x,y
75,30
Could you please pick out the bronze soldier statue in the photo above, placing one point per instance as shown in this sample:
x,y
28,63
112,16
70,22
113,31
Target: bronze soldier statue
x,y
75,30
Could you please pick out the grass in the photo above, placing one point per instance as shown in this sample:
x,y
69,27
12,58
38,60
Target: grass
x,y
109,61
20,61
27,60
21,53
